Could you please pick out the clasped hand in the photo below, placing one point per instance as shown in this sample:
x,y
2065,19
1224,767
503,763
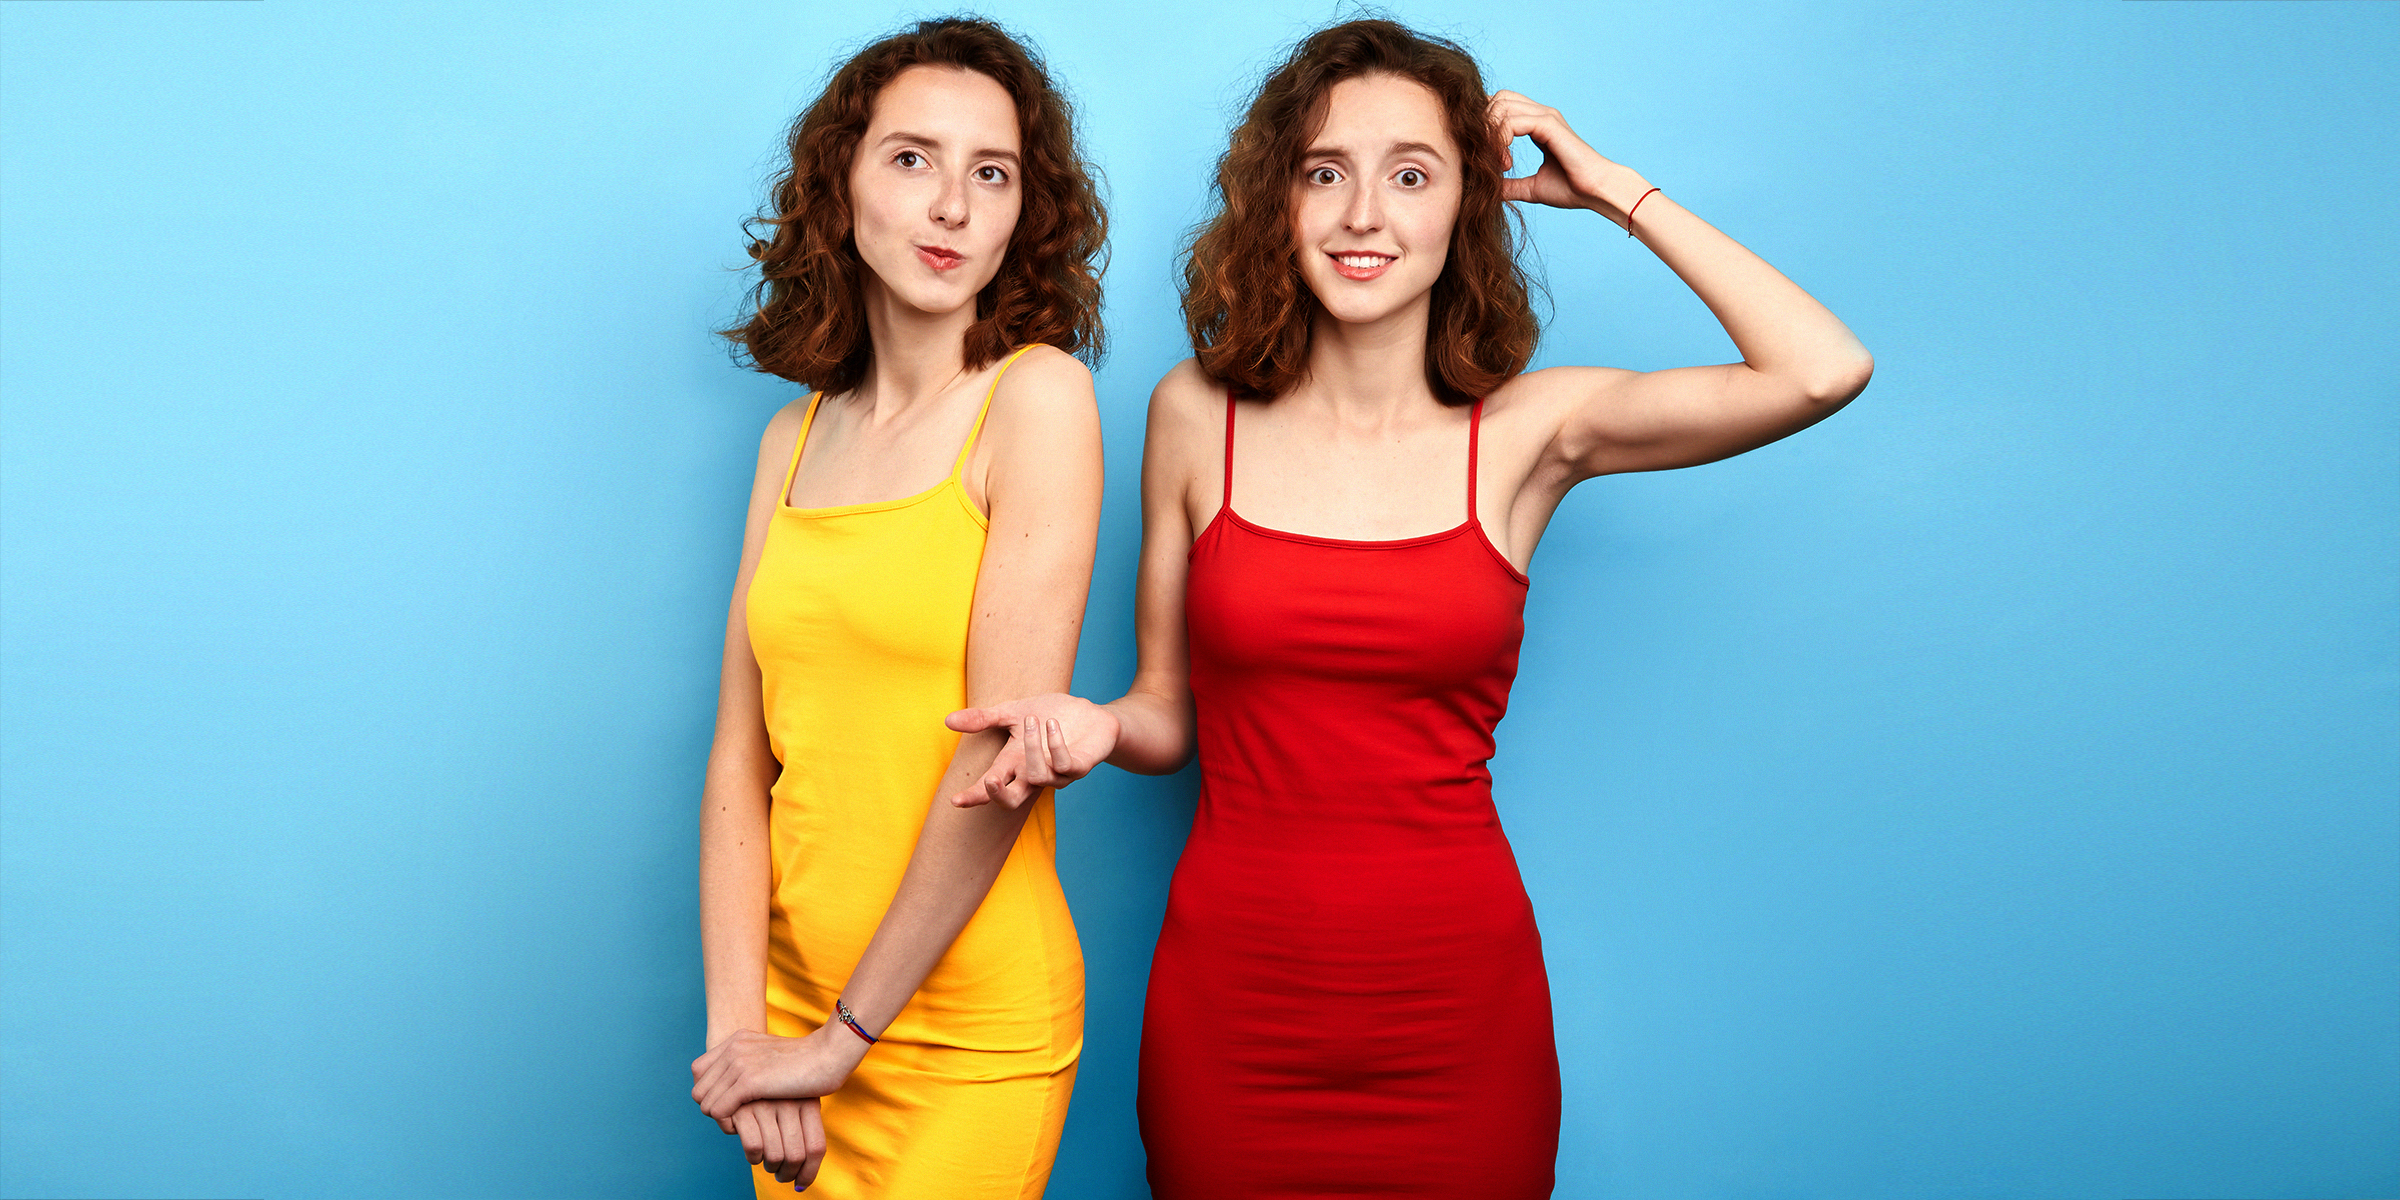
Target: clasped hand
x,y
764,1088
1053,741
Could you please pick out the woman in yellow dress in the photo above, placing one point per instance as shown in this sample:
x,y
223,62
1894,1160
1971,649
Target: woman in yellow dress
x,y
895,992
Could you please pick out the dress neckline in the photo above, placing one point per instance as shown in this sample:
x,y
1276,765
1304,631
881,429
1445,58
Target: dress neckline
x,y
1473,522
956,477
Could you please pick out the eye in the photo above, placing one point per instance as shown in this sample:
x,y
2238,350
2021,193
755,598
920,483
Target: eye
x,y
1325,176
989,173
1410,177
909,159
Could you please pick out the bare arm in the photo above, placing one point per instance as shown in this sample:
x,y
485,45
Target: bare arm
x,y
734,869
1155,713
787,1136
1799,362
1044,489
1056,739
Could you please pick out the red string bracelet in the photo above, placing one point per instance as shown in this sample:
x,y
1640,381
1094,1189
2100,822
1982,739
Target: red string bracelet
x,y
1629,212
843,1011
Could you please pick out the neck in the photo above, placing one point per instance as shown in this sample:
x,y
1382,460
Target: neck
x,y
1374,371
915,354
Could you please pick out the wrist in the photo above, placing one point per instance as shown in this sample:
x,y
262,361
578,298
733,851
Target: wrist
x,y
1618,189
1115,727
841,1045
718,1031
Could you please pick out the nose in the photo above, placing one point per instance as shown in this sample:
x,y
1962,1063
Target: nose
x,y
1364,213
950,204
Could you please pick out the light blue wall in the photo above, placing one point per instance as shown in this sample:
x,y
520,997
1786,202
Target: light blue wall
x,y
1987,794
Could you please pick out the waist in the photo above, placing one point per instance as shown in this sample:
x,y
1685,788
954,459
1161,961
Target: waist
x,y
1329,897
1345,817
1338,745
1013,969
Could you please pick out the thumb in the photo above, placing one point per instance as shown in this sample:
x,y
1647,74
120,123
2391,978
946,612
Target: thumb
x,y
975,720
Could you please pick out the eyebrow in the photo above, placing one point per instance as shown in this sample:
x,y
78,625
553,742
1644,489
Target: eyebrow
x,y
902,135
1397,148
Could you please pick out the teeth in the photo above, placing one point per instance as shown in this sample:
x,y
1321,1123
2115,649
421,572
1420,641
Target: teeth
x,y
1362,261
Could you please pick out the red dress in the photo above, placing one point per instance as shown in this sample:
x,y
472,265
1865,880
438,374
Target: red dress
x,y
1348,994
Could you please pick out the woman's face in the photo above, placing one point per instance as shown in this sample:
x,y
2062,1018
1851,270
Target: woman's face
x,y
934,187
1377,194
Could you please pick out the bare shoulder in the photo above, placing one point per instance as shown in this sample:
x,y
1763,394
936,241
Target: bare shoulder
x,y
1043,385
1043,431
1186,405
782,432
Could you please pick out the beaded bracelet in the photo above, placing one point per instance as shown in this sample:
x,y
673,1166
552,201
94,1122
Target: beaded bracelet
x,y
842,1010
1629,212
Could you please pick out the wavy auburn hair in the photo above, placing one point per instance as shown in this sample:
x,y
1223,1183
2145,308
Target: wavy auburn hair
x,y
808,320
1244,303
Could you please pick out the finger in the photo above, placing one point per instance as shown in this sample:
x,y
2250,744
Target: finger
x,y
1519,123
795,1144
711,1082
1062,750
1501,106
996,790
733,1091
724,1123
754,1142
1011,757
1523,118
812,1127
980,791
1035,733
808,1146
770,1137
1015,794
724,1094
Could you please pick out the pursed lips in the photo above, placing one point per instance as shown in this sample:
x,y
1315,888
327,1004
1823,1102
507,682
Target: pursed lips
x,y
940,258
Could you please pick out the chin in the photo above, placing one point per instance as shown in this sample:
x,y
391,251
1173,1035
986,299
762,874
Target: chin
x,y
1358,310
935,301
1355,305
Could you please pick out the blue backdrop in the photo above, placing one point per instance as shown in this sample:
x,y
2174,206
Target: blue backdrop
x,y
1989,793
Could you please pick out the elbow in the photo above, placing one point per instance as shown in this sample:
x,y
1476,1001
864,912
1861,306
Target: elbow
x,y
1840,383
1155,759
1160,766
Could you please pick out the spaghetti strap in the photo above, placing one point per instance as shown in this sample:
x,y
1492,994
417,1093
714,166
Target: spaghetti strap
x,y
1228,502
1474,433
957,469
784,497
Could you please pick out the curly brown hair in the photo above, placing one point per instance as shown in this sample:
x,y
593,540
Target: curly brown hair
x,y
1244,303
808,320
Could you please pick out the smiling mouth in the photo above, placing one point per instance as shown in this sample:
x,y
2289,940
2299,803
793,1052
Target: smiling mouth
x,y
1361,265
940,258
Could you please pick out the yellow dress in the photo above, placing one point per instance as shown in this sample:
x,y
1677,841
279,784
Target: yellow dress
x,y
858,617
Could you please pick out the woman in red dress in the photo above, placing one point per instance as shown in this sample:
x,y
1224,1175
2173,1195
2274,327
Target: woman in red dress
x,y
1341,492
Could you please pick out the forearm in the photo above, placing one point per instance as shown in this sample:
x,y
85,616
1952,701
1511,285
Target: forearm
x,y
958,855
1154,731
735,879
1780,329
